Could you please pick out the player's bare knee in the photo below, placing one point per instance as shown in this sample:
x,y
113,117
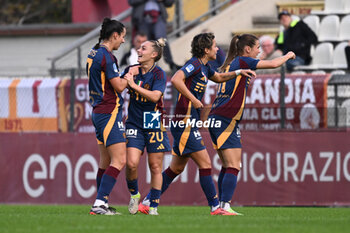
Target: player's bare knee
x,y
155,168
178,170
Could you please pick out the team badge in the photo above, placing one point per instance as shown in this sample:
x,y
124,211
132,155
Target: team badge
x,y
204,78
189,68
115,68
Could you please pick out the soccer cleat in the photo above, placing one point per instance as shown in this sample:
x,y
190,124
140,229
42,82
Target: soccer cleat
x,y
134,203
103,210
143,208
220,211
226,206
114,210
153,211
230,210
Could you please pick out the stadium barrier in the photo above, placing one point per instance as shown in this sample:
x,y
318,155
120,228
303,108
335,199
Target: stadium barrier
x,y
44,105
307,163
278,168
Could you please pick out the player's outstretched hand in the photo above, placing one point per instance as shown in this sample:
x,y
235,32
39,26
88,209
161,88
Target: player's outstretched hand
x,y
130,78
197,104
291,55
248,73
134,70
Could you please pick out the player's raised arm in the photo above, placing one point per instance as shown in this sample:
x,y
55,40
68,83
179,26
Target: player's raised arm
x,y
276,62
224,77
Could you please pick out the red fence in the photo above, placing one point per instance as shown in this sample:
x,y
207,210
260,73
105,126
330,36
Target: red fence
x,y
278,168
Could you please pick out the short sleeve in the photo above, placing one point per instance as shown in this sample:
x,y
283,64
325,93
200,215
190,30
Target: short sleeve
x,y
252,63
159,81
190,68
112,70
211,72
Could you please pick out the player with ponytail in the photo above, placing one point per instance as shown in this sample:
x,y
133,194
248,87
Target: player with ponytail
x,y
228,108
146,90
105,86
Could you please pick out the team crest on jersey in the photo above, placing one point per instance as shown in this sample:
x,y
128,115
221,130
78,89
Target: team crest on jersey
x,y
204,78
189,68
115,68
146,86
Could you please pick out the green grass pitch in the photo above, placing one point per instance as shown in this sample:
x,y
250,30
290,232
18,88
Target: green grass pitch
x,y
179,219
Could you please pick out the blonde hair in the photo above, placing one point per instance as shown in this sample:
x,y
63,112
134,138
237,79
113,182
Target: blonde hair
x,y
158,46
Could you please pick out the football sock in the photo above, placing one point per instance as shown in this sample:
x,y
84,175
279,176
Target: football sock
x,y
154,197
108,180
168,177
208,186
229,183
132,186
221,176
99,177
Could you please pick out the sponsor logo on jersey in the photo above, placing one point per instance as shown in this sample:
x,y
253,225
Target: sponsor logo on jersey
x,y
161,147
131,133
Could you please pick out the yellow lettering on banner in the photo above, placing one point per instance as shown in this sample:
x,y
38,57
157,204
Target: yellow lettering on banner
x,y
29,124
13,98
61,107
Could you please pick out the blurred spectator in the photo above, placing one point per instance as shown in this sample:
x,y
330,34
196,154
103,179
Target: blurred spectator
x,y
130,58
150,16
296,37
347,54
268,52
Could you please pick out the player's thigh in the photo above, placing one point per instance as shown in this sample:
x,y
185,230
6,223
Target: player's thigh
x,y
155,162
232,157
221,158
133,156
178,163
117,153
201,158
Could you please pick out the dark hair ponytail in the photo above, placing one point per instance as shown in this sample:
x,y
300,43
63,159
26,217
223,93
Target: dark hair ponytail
x,y
236,48
108,27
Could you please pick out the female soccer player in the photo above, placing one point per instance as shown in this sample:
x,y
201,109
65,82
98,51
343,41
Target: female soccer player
x,y
105,87
191,81
146,98
228,108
